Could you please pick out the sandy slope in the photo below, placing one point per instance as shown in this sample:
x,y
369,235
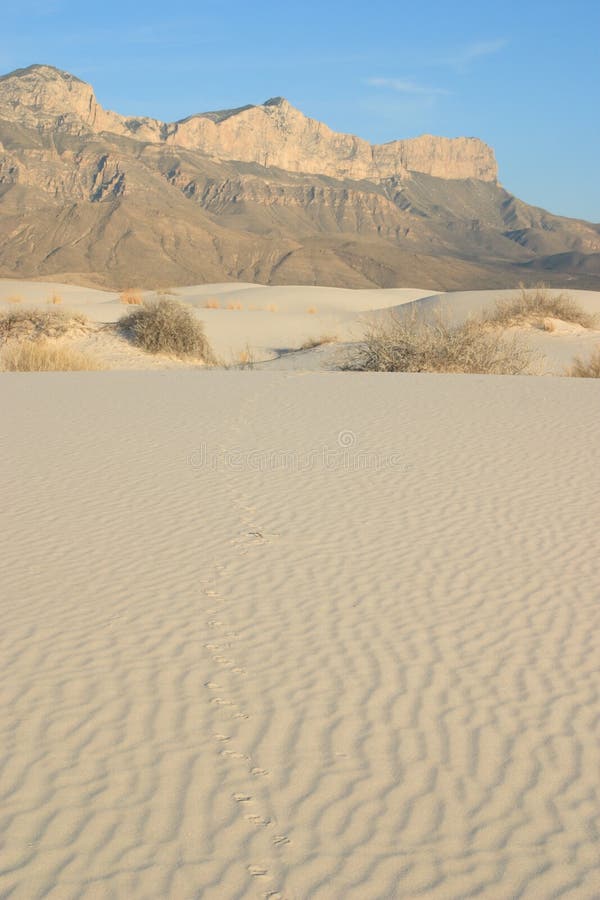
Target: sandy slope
x,y
364,668
274,322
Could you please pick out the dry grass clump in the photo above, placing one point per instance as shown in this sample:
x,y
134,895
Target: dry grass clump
x,y
586,368
246,358
55,299
236,306
44,356
167,326
395,344
538,303
38,323
131,297
313,342
14,298
212,303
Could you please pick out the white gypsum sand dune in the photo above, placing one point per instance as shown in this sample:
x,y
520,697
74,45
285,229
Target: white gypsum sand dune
x,y
271,319
355,658
270,324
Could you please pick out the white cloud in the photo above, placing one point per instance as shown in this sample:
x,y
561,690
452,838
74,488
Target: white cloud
x,y
463,56
406,86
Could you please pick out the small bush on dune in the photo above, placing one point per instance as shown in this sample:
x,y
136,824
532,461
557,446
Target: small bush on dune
x,y
588,368
43,356
397,344
167,326
131,297
539,303
313,342
212,303
38,323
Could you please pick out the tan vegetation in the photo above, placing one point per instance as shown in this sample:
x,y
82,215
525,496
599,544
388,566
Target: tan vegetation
x,y
313,342
38,323
44,356
247,358
212,303
131,297
398,344
55,299
236,306
536,305
14,298
167,326
589,368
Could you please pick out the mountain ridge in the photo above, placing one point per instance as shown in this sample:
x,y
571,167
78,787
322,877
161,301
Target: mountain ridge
x,y
263,194
273,133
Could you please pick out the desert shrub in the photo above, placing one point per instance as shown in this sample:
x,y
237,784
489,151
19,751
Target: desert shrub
x,y
212,303
38,323
55,299
167,326
313,342
236,306
539,303
43,356
398,344
131,297
246,358
586,368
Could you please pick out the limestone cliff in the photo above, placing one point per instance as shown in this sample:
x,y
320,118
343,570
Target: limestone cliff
x,y
274,134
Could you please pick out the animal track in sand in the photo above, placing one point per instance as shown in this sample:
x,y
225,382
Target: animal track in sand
x,y
258,871
258,820
234,754
226,636
280,840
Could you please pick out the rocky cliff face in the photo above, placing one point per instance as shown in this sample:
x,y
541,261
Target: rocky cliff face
x,y
274,134
260,193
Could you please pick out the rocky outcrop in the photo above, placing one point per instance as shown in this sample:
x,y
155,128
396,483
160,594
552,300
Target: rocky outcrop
x,y
273,134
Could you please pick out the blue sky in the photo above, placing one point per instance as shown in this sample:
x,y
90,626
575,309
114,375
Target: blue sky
x,y
523,76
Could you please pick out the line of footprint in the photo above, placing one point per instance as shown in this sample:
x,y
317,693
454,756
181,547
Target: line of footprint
x,y
224,638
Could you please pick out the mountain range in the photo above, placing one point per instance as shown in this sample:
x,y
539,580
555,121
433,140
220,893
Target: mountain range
x,y
261,193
